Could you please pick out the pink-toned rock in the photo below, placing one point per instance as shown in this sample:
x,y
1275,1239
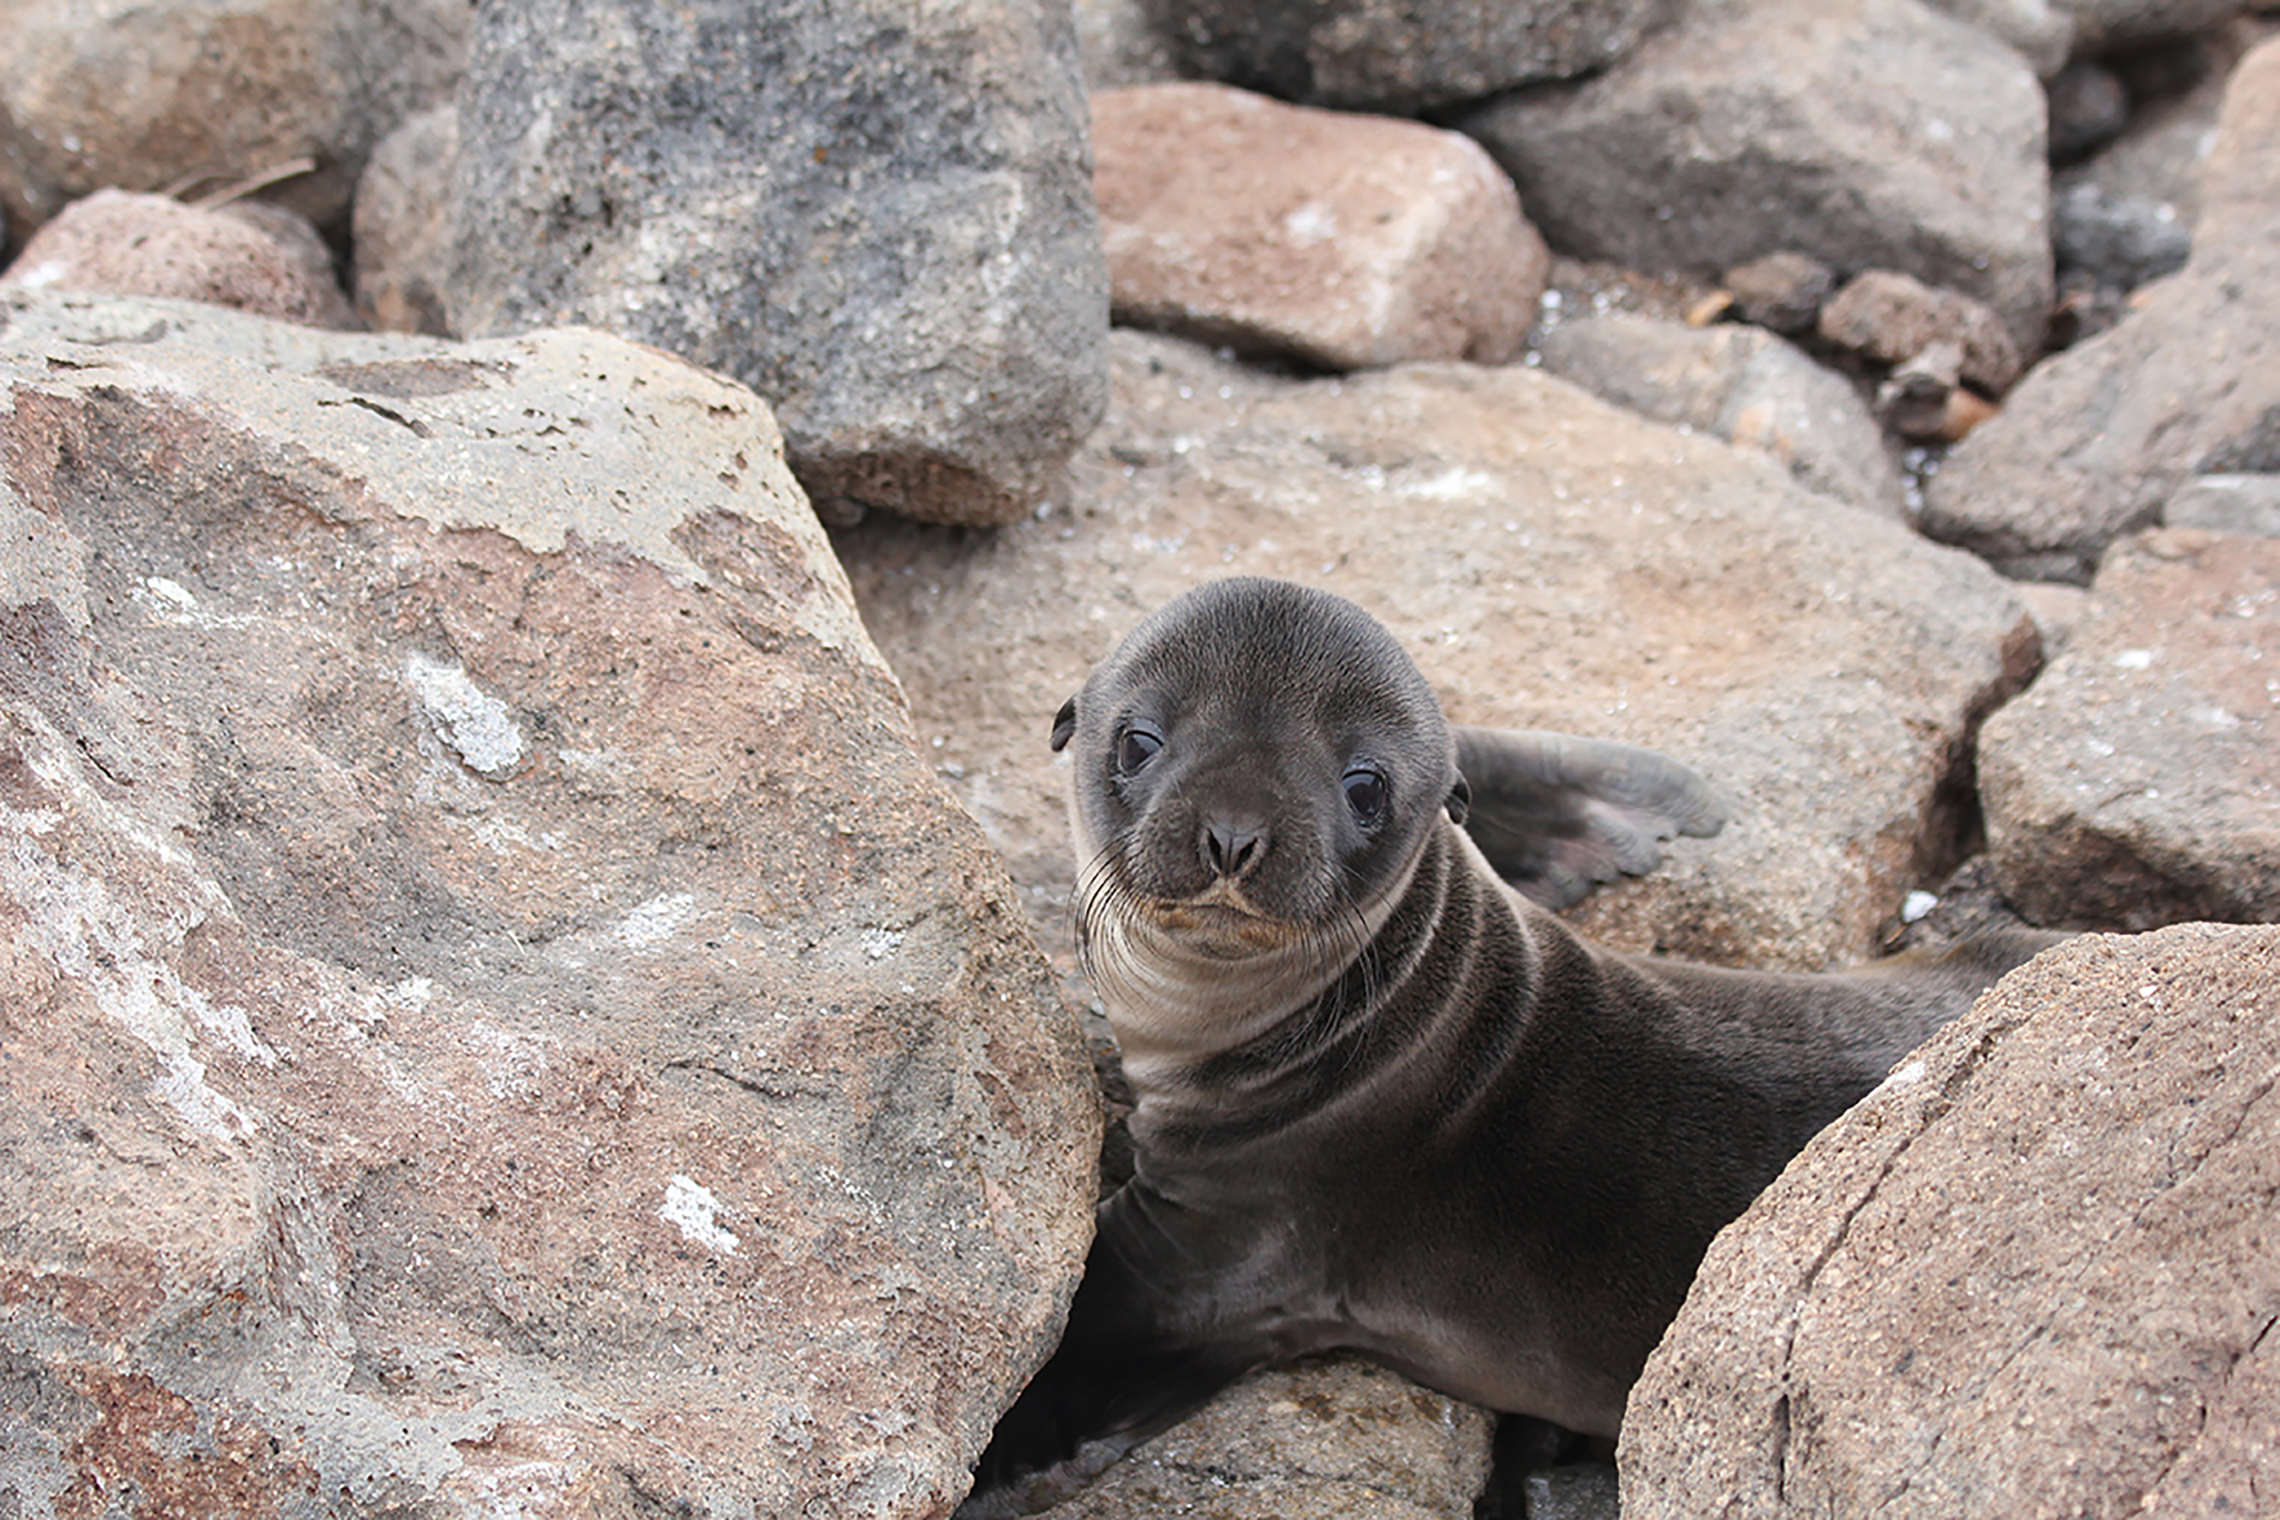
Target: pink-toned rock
x,y
2036,1273
147,94
255,257
1346,241
495,1017
2138,781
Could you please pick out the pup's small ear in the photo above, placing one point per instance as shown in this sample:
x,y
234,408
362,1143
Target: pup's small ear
x,y
1459,801
1064,723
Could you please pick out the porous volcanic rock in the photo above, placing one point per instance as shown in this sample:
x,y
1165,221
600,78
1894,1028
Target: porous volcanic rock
x,y
1865,133
1400,55
1551,561
147,94
1742,384
255,257
1341,1440
2094,441
1342,240
494,1016
2138,782
879,219
2036,1273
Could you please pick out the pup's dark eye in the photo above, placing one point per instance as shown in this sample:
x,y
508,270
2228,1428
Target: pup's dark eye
x,y
1365,793
1135,749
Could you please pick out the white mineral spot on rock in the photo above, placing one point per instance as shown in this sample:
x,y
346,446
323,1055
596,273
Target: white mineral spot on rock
x,y
2214,717
878,944
693,1210
41,275
472,721
657,919
1916,905
174,591
1451,484
1902,1076
2133,659
1311,223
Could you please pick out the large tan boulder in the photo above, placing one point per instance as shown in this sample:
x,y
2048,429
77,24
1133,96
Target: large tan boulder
x,y
2036,1273
496,1017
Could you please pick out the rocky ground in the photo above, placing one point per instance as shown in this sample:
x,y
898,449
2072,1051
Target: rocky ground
x,y
529,830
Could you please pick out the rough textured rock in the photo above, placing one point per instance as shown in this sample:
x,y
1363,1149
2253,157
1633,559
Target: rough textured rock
x,y
2036,1273
2138,781
1403,56
145,95
2096,439
402,240
262,259
1783,291
1892,318
1339,1440
2228,504
1743,385
496,1018
1343,240
1550,560
1865,133
881,221
2041,30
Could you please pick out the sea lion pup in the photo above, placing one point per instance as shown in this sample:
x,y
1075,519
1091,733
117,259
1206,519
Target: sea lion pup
x,y
1384,1102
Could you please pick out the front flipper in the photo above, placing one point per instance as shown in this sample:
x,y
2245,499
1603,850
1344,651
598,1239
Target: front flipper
x,y
1147,1344
1556,814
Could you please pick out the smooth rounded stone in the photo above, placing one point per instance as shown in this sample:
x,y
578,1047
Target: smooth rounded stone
x,y
1337,1440
2137,782
2228,504
1551,561
499,1017
1402,56
1344,241
2119,242
257,258
148,94
1783,291
2158,157
1740,384
879,219
1723,138
2095,440
402,242
2109,26
1891,318
2088,108
2034,1273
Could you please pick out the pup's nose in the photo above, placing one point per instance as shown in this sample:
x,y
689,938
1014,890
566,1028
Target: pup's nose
x,y
1231,846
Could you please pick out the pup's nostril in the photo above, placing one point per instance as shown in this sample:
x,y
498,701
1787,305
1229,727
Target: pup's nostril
x,y
1230,848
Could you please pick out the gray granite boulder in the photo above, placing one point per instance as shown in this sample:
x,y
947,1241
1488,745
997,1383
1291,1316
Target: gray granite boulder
x,y
2095,440
880,220
2032,1274
1400,55
2138,781
498,1019
1865,133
